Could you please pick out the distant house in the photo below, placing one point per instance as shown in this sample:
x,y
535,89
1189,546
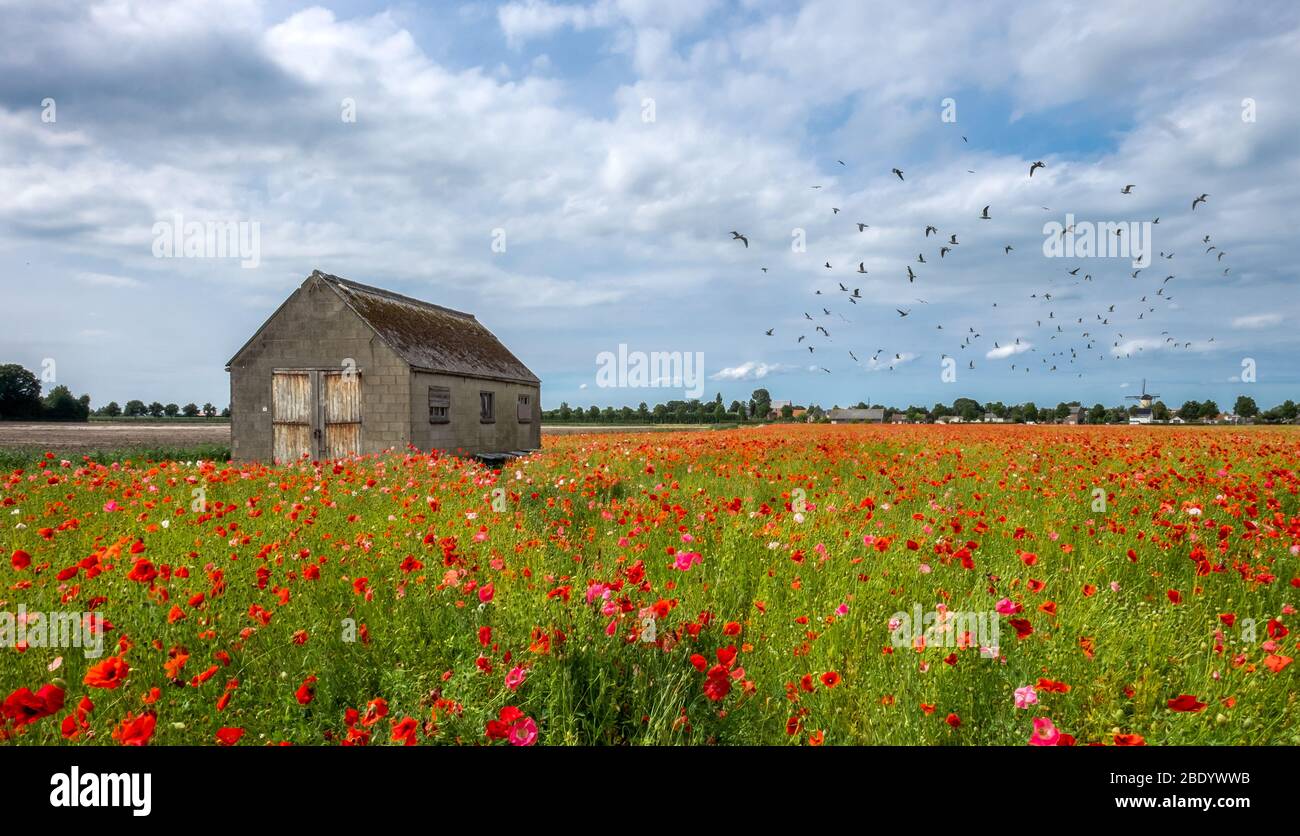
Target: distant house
x,y
1075,416
898,418
775,407
798,412
874,415
990,418
342,368
1140,415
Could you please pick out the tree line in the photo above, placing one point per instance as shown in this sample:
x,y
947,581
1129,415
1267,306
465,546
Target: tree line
x,y
21,399
758,409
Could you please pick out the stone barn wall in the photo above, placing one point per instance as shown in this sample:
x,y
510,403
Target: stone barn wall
x,y
315,329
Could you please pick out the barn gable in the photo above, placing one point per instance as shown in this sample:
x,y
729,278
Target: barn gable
x,y
428,337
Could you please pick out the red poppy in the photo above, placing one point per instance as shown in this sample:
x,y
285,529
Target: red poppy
x,y
229,736
830,679
136,731
109,673
20,559
1185,702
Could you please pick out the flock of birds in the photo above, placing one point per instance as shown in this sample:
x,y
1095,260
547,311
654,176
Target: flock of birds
x,y
1071,337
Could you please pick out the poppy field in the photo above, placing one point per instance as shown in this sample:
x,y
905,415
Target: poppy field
x,y
788,585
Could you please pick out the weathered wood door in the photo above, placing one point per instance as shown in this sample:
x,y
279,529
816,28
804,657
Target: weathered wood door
x,y
316,413
291,415
341,414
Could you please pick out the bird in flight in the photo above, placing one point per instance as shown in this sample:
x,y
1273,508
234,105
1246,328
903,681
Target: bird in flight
x,y
899,172
736,236
930,229
862,227
1128,189
911,277
1008,248
984,216
1200,199
769,331
1038,164
902,312
861,269
953,239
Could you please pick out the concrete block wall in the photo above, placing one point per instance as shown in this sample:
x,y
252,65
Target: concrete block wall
x,y
315,329
465,431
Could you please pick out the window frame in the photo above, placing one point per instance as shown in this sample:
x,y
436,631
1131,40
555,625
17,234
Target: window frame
x,y
487,406
524,407
435,393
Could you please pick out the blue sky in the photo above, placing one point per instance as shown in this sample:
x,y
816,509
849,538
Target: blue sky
x,y
531,118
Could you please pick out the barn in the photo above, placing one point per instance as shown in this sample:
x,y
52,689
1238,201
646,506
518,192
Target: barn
x,y
343,368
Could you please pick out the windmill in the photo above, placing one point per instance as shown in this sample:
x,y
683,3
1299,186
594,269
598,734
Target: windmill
x,y
1144,399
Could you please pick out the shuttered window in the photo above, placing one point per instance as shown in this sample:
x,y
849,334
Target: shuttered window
x,y
439,405
525,409
487,408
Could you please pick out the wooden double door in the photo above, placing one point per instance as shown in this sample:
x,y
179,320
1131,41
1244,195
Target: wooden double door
x,y
315,413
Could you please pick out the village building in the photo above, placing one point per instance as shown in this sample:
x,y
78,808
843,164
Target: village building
x,y
874,415
342,368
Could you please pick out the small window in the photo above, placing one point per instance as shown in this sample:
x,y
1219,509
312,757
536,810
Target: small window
x,y
487,408
439,405
525,409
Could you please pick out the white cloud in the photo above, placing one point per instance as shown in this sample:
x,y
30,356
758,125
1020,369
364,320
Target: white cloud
x,y
1256,321
107,280
755,370
1008,350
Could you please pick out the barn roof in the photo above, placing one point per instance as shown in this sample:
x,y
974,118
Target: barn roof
x,y
428,337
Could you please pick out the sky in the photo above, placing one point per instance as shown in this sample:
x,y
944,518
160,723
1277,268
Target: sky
x,y
571,174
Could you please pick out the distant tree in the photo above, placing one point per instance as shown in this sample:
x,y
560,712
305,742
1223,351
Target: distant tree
x,y
156,409
112,410
225,413
593,414
760,403
1159,411
719,412
968,408
1209,410
209,410
62,405
1189,411
1245,406
190,410
1097,415
566,412
20,392
643,412
171,410
134,409
1030,411
1288,410
787,411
